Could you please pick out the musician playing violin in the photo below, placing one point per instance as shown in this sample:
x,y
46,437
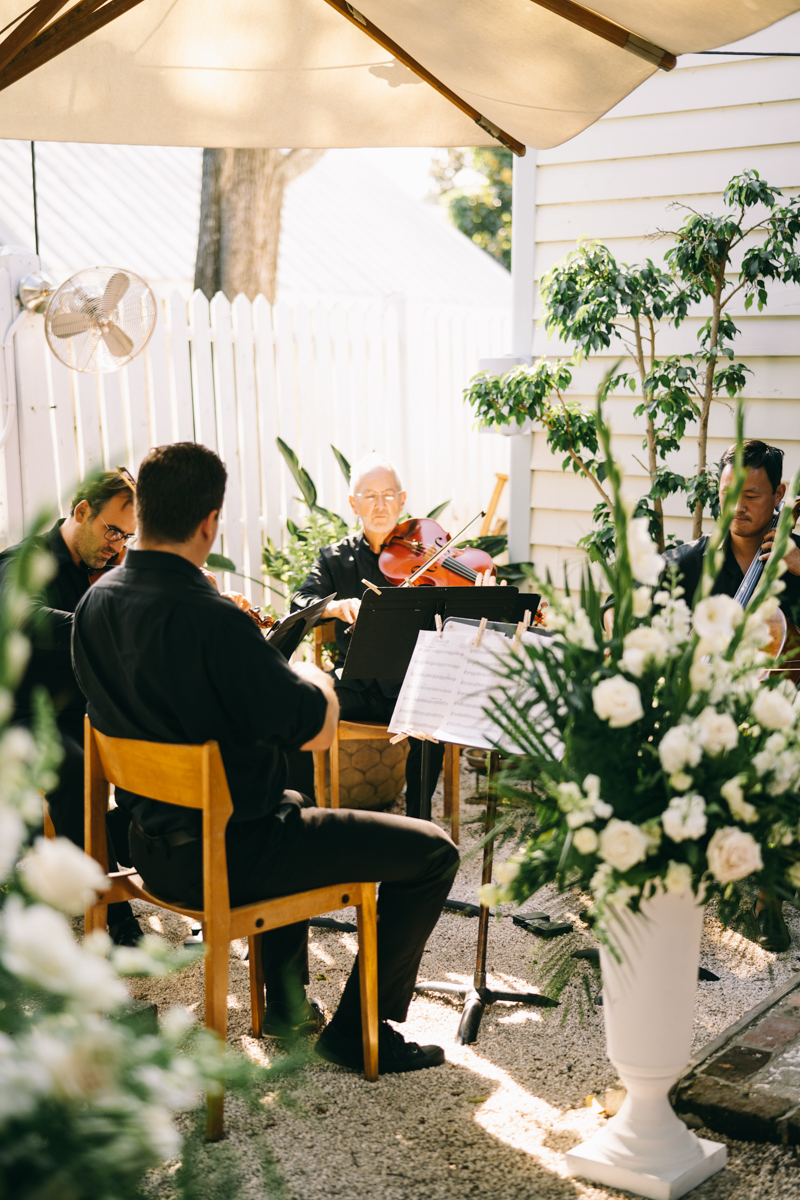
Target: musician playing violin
x,y
377,498
750,535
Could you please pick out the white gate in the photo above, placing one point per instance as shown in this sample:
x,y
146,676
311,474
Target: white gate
x,y
373,375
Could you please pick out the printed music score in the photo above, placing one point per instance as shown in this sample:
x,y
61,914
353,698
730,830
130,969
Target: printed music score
x,y
449,685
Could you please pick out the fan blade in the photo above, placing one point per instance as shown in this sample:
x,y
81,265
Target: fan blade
x,y
117,341
116,288
65,325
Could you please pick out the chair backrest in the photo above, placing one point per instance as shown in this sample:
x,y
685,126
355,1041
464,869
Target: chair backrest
x,y
189,776
326,632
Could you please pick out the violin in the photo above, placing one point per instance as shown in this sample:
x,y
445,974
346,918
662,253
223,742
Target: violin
x,y
420,541
263,620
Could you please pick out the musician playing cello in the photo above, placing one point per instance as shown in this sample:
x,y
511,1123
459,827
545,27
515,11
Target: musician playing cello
x,y
750,535
377,498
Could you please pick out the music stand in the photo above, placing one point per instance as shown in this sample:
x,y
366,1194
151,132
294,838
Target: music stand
x,y
287,633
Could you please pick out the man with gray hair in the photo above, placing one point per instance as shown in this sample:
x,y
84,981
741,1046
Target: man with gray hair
x,y
377,498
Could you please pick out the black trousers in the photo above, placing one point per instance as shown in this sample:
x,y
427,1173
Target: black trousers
x,y
299,848
66,805
372,705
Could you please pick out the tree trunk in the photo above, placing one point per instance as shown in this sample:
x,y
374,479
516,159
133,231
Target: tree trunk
x,y
240,219
708,395
652,458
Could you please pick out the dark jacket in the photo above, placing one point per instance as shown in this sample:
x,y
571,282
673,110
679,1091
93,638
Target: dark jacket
x,y
689,559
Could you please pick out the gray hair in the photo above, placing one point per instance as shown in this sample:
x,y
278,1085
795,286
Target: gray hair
x,y
372,462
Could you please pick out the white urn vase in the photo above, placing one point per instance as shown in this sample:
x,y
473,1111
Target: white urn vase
x,y
648,1004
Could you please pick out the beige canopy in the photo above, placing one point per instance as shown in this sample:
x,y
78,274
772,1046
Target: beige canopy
x,y
318,73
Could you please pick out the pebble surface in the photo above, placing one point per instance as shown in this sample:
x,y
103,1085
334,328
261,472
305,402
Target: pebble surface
x,y
496,1119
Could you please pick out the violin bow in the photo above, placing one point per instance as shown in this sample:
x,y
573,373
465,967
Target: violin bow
x,y
447,546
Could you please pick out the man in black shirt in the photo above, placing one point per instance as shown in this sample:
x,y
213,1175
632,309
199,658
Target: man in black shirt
x,y
377,499
161,656
91,539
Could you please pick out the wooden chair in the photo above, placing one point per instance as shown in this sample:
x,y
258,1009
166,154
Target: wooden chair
x,y
194,777
367,731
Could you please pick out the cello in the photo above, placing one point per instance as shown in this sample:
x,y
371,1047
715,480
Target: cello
x,y
784,637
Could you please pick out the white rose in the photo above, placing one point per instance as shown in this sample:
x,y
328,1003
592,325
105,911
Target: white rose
x,y
741,810
641,602
646,563
617,701
585,840
622,844
685,818
715,731
37,945
772,710
506,872
60,874
733,854
793,874
641,646
715,620
680,781
678,878
701,675
12,831
678,749
488,894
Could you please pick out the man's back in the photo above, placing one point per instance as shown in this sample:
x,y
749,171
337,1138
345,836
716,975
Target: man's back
x,y
162,657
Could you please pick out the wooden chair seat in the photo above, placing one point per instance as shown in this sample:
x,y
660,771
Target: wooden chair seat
x,y
194,777
366,731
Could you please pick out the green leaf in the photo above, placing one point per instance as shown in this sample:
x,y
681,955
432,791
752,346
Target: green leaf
x,y
218,562
300,475
434,513
344,465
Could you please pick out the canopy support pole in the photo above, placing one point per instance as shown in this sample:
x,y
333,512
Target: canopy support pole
x,y
523,288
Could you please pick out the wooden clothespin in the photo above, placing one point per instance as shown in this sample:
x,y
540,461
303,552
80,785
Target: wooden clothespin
x,y
481,631
398,737
518,635
527,618
367,583
439,625
503,583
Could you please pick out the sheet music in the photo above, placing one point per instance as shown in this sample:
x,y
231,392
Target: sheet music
x,y
466,722
433,676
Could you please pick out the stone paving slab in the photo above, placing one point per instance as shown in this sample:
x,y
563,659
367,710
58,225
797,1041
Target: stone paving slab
x,y
746,1082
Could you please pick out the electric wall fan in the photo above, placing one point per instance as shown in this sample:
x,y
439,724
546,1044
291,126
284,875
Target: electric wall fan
x,y
99,319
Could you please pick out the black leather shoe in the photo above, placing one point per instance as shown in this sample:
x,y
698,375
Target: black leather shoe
x,y
395,1054
773,932
127,932
286,1024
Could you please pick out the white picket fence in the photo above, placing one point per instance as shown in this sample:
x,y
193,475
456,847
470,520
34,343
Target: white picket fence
x,y
373,375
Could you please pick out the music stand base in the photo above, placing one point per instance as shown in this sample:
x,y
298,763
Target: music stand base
x,y
476,1000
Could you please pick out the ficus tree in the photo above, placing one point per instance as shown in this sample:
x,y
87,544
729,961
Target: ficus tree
x,y
594,304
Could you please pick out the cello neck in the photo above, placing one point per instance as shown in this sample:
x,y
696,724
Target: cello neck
x,y
747,587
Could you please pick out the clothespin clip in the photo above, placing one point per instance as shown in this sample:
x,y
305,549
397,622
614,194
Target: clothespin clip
x,y
439,625
398,737
503,583
527,618
367,583
481,631
521,627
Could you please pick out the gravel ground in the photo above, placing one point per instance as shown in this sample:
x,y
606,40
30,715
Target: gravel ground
x,y
496,1119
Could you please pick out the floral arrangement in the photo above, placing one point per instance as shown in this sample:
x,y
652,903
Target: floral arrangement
x,y
654,755
86,1099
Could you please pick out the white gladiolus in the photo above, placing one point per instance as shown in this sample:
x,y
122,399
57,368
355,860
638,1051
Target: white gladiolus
x,y
37,944
641,602
12,831
506,872
716,619
741,809
641,646
678,878
716,732
701,675
60,874
176,1022
6,705
733,854
622,844
646,563
42,567
674,620
162,1135
585,840
685,818
680,781
617,701
489,894
679,749
18,651
772,710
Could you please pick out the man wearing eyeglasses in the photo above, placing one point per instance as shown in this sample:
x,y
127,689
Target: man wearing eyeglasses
x,y
377,498
91,539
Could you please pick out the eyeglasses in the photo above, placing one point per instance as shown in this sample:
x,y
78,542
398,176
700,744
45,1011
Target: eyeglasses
x,y
374,497
113,534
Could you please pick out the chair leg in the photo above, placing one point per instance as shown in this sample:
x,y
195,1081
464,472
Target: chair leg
x,y
217,952
334,755
448,781
368,978
95,917
319,779
257,993
454,755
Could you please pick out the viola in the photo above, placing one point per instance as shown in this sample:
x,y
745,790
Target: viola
x,y
420,541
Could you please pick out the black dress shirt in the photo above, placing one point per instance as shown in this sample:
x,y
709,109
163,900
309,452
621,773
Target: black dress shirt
x,y
50,630
162,657
689,558
340,568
